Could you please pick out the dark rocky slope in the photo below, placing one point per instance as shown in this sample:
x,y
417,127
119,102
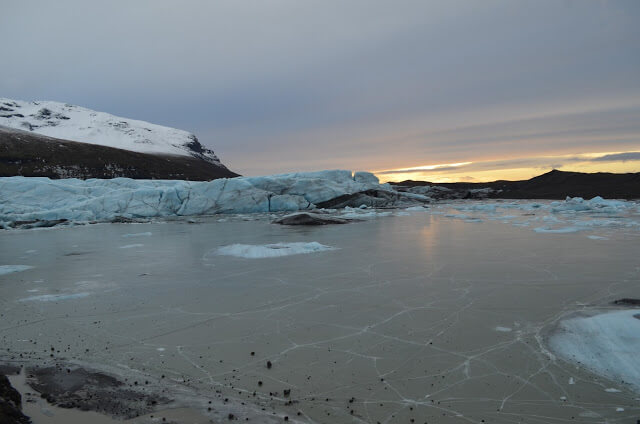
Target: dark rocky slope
x,y
10,403
28,154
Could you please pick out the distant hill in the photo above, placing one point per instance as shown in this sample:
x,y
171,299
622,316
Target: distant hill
x,y
37,139
33,155
552,185
75,123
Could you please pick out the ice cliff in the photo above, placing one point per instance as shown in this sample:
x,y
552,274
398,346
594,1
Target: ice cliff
x,y
42,199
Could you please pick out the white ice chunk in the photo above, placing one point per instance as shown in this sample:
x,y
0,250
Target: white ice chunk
x,y
597,204
556,230
607,343
365,177
351,213
131,246
55,297
10,269
145,234
271,250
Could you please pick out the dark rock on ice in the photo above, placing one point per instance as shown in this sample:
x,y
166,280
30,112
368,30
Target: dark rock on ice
x,y
11,404
627,302
369,198
69,387
307,218
38,223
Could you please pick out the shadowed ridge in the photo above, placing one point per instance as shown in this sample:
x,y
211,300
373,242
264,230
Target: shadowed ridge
x,y
27,154
554,184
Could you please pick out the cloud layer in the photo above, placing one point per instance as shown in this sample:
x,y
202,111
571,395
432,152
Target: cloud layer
x,y
289,85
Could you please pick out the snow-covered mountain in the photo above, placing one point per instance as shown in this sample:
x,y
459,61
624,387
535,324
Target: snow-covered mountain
x,y
75,123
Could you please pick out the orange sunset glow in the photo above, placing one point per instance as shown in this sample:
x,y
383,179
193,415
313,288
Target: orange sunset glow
x,y
520,168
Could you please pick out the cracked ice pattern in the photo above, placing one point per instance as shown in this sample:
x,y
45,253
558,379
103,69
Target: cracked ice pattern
x,y
414,317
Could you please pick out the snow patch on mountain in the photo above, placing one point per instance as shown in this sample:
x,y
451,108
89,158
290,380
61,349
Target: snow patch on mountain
x,y
75,123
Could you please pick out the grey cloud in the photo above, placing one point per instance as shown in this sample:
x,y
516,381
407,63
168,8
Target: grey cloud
x,y
422,171
627,156
542,163
276,86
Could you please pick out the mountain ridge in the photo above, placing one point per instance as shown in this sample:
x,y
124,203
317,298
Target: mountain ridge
x,y
554,184
23,153
76,123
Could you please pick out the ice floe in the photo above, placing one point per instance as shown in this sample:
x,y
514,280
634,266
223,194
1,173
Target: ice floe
x,y
271,250
607,343
10,269
145,234
556,230
572,215
55,297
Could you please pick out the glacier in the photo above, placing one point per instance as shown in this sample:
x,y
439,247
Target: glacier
x,y
28,202
34,199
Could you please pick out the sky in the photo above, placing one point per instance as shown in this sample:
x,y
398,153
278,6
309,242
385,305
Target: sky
x,y
440,90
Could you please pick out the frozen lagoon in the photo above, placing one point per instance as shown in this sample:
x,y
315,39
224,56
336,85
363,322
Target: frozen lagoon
x,y
436,316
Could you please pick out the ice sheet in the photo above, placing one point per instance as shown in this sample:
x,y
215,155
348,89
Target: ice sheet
x,y
406,321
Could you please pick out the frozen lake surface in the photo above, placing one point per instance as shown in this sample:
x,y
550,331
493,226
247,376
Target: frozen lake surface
x,y
441,315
